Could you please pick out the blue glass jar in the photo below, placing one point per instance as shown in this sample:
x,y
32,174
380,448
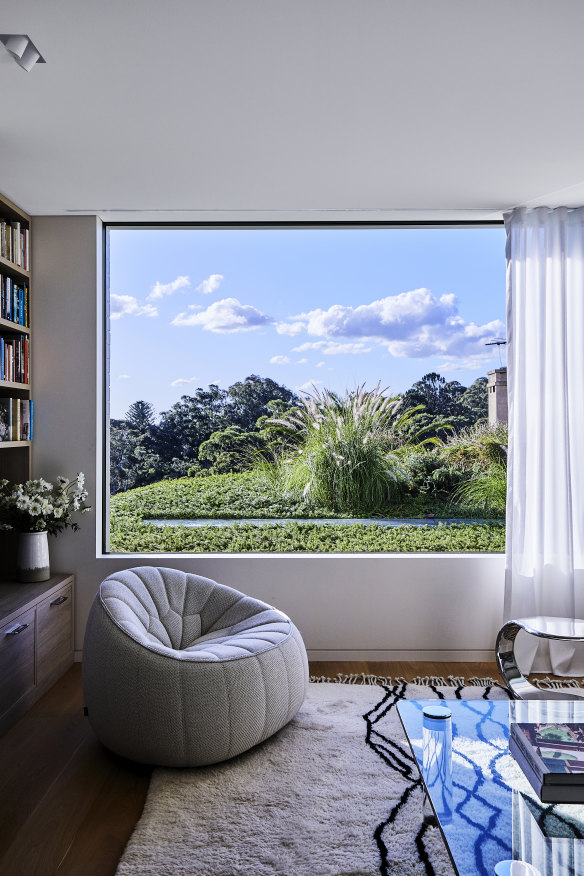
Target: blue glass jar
x,y
437,759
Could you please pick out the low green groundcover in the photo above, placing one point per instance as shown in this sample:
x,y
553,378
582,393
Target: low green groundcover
x,y
130,535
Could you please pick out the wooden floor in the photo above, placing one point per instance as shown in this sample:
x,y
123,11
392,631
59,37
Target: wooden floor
x,y
68,806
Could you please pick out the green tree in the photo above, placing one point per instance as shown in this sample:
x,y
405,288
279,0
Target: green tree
x,y
140,416
447,406
439,397
475,400
231,449
133,460
248,400
187,424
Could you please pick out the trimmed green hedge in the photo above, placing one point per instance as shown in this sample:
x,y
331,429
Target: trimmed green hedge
x,y
216,497
248,494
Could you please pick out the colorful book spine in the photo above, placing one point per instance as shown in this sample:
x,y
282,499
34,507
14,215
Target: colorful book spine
x,y
15,243
16,419
15,359
5,419
14,301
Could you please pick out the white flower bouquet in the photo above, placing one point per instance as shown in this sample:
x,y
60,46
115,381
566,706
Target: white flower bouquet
x,y
39,506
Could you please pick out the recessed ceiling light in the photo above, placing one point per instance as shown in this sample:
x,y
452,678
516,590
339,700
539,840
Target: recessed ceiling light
x,y
22,49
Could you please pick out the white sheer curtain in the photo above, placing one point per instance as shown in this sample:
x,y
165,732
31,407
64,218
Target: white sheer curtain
x,y
545,494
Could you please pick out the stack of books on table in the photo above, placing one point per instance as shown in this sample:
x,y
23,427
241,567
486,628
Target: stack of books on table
x,y
552,758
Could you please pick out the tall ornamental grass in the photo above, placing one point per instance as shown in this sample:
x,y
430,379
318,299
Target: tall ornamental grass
x,y
481,453
346,458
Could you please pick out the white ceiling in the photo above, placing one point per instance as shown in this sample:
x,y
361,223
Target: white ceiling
x,y
294,108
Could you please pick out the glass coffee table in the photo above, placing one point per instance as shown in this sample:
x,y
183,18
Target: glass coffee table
x,y
496,815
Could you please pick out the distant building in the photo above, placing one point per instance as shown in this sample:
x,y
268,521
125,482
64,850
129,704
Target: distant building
x,y
497,392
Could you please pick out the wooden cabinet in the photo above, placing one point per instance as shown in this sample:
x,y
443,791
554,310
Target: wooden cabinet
x,y
17,660
36,641
54,617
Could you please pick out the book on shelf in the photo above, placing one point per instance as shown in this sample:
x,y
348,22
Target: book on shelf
x,y
14,301
25,419
15,243
14,358
16,419
5,419
552,757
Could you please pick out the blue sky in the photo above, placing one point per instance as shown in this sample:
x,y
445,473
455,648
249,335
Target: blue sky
x,y
330,307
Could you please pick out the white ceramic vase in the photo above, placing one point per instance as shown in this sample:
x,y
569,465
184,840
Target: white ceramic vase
x,y
32,563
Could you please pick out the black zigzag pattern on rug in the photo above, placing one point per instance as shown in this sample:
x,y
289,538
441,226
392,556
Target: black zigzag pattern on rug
x,y
398,757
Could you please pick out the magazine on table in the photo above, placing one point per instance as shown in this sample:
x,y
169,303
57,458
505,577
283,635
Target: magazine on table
x,y
552,758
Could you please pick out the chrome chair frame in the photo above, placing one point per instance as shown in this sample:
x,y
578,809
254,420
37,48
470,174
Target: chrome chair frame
x,y
561,629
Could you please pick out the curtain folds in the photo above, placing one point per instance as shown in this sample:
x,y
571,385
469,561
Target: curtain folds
x,y
545,491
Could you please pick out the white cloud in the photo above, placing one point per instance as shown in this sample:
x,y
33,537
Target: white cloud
x,y
319,364
386,318
455,339
159,290
227,315
194,306
290,328
302,361
124,376
414,324
333,348
480,362
180,381
127,305
279,360
210,284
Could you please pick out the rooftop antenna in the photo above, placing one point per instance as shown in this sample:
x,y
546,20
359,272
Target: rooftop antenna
x,y
497,342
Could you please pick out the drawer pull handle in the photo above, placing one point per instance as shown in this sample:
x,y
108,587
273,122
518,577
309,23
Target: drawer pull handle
x,y
19,628
60,600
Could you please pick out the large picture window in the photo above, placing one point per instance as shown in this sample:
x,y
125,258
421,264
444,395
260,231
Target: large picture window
x,y
305,388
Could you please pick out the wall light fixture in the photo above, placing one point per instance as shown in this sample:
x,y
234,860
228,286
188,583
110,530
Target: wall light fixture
x,y
22,49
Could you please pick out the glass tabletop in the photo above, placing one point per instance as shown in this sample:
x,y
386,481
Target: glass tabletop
x,y
496,815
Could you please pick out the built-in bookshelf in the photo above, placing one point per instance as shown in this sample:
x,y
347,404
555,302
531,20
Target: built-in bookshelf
x,y
16,407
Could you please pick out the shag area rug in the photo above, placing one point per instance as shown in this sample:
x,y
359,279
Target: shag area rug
x,y
335,793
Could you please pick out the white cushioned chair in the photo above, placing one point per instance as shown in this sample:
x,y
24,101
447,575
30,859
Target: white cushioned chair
x,y
181,671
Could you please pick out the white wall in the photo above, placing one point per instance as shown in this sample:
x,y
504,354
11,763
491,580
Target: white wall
x,y
392,606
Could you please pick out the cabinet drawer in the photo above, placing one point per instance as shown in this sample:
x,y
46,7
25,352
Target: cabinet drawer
x,y
16,660
54,633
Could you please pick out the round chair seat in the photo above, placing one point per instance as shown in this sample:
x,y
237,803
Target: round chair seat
x,y
179,670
